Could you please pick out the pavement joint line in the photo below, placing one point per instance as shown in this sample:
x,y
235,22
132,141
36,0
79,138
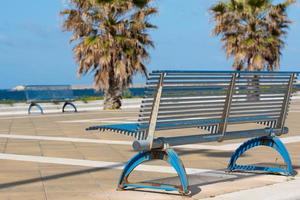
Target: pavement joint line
x,y
226,147
65,139
108,165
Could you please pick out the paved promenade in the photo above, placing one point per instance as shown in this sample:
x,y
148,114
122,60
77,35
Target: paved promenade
x,y
52,157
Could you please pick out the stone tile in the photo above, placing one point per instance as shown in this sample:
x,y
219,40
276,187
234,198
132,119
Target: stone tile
x,y
23,196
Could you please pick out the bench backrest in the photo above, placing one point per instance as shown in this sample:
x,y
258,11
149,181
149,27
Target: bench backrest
x,y
48,93
213,100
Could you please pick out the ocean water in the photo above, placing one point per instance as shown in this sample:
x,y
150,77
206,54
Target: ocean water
x,y
20,95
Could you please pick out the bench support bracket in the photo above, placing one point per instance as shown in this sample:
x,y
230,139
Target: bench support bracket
x,y
268,141
68,103
167,155
35,105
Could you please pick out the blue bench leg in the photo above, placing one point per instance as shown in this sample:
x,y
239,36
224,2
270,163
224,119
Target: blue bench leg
x,y
69,103
35,105
269,141
169,156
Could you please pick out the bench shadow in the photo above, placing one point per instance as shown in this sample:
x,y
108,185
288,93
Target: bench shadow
x,y
207,152
205,178
194,185
208,178
56,176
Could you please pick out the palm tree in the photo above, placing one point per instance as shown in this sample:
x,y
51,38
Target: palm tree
x,y
252,31
111,39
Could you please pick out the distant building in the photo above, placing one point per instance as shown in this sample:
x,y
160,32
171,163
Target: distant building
x,y
19,88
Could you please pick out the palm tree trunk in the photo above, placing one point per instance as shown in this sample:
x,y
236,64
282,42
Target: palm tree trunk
x,y
254,88
253,83
113,95
112,99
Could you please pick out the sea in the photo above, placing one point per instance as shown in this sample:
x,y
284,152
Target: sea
x,y
13,95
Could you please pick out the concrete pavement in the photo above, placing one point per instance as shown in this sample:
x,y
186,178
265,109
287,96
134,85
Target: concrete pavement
x,y
52,157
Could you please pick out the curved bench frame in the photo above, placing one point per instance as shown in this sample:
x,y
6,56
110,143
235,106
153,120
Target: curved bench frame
x,y
35,105
67,103
268,141
168,155
70,104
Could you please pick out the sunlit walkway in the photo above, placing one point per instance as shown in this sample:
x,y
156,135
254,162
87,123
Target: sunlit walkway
x,y
52,157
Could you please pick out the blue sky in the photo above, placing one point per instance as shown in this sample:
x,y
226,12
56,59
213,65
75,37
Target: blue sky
x,y
34,50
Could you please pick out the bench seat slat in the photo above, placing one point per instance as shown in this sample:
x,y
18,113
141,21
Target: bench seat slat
x,y
178,111
138,129
245,73
221,83
126,129
216,106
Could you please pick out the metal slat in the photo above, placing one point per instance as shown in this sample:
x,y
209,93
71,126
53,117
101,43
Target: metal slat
x,y
255,108
265,96
198,99
262,83
183,107
259,118
183,100
261,95
183,88
286,76
273,114
261,87
167,105
262,79
235,102
221,82
169,73
179,126
192,78
205,82
182,117
221,77
246,112
212,121
176,113
244,73
263,91
192,93
258,99
255,101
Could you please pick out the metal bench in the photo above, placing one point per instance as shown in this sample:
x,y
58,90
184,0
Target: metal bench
x,y
36,94
211,101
